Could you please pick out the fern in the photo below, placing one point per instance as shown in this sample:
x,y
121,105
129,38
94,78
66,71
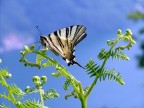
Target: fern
x,y
30,90
66,84
92,68
47,64
4,95
86,89
73,80
57,74
3,106
102,54
73,93
50,62
16,91
30,104
3,72
110,75
118,54
39,59
50,94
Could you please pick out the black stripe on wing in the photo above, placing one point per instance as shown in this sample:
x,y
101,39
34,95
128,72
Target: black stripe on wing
x,y
54,43
80,39
79,34
58,38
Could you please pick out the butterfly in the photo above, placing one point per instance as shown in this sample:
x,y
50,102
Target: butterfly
x,y
63,41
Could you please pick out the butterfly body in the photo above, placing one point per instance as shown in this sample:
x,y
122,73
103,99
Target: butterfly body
x,y
62,42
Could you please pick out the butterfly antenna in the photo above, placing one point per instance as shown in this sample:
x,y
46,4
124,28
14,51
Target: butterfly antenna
x,y
78,64
37,27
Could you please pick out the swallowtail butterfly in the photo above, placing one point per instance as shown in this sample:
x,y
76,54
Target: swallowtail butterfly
x,y
63,41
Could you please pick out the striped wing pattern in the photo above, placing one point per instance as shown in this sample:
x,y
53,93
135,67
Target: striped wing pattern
x,y
63,41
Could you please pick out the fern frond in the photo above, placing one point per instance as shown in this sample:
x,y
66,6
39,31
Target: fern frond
x,y
73,93
27,63
92,68
86,89
3,72
66,84
57,74
50,94
110,75
39,59
30,90
51,62
16,91
3,106
4,96
47,64
73,80
118,54
102,54
31,104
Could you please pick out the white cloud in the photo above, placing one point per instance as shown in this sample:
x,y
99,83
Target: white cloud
x,y
15,26
14,42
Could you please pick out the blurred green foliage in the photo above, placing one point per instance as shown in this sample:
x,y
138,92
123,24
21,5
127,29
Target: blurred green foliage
x,y
137,16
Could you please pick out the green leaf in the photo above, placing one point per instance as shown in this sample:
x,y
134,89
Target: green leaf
x,y
3,106
39,59
66,84
30,104
57,74
119,55
111,75
73,93
102,54
14,89
92,68
50,94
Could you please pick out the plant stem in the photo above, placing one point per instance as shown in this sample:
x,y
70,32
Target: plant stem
x,y
83,102
92,86
41,97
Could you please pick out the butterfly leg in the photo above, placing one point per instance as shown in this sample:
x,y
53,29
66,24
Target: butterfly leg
x,y
74,62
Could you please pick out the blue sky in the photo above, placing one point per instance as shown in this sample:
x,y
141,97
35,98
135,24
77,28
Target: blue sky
x,y
102,18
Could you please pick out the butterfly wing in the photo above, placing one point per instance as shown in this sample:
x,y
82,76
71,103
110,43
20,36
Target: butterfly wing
x,y
77,34
63,41
52,42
